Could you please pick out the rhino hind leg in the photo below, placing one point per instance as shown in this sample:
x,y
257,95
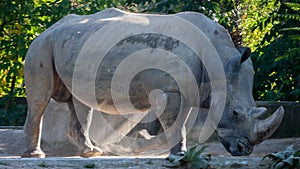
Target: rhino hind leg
x,y
32,130
33,124
39,81
80,120
171,122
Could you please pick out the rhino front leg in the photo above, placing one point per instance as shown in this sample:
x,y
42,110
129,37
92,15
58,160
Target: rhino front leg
x,y
79,124
174,130
173,122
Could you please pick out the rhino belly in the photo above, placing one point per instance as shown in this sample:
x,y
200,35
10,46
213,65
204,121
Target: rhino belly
x,y
115,97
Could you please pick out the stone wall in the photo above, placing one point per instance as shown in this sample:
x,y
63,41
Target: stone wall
x,y
54,134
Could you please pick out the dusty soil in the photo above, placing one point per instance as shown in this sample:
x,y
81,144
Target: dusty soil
x,y
12,144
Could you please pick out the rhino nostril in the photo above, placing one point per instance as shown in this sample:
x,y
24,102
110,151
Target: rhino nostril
x,y
240,148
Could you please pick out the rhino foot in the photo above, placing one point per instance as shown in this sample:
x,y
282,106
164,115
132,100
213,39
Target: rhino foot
x,y
36,153
91,152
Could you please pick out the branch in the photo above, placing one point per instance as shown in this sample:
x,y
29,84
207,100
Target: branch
x,y
11,92
3,23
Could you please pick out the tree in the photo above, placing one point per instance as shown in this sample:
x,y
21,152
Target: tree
x,y
20,23
274,36
224,12
16,33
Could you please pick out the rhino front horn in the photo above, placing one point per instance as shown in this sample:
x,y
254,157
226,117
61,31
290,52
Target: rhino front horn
x,y
263,129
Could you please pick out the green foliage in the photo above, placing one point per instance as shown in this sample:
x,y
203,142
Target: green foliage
x,y
12,111
15,39
191,158
20,23
276,59
254,17
288,159
224,12
271,29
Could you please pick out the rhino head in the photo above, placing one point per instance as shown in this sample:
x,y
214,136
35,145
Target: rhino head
x,y
241,125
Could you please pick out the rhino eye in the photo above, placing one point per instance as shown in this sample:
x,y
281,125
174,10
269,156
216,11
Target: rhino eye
x,y
235,113
235,116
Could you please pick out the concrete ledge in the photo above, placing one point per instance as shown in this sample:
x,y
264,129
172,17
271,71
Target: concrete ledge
x,y
148,162
68,163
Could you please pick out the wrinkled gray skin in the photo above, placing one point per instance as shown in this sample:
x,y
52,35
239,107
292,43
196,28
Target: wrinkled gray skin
x,y
48,74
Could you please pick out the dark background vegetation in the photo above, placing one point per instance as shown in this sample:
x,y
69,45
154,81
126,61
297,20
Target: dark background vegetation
x,y
269,27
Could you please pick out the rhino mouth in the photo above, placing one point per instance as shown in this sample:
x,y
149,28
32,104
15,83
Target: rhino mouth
x,y
237,146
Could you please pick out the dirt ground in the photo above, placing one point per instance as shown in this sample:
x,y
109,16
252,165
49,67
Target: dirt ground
x,y
12,144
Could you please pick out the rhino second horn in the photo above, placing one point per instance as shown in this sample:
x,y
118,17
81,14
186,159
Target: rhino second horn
x,y
259,112
263,129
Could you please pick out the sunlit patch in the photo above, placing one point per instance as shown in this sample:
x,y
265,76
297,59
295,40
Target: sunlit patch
x,y
84,21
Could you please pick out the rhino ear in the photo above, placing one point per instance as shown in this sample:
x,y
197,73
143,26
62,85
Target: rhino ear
x,y
245,51
235,63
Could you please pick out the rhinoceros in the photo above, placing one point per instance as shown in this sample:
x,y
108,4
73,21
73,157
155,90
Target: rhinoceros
x,y
158,60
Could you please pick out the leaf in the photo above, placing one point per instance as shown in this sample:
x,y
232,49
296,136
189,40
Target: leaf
x,y
189,154
275,156
296,161
173,157
192,150
291,29
201,150
294,6
278,165
190,157
297,153
289,160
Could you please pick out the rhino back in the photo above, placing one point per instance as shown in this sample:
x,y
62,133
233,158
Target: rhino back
x,y
70,34
217,34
